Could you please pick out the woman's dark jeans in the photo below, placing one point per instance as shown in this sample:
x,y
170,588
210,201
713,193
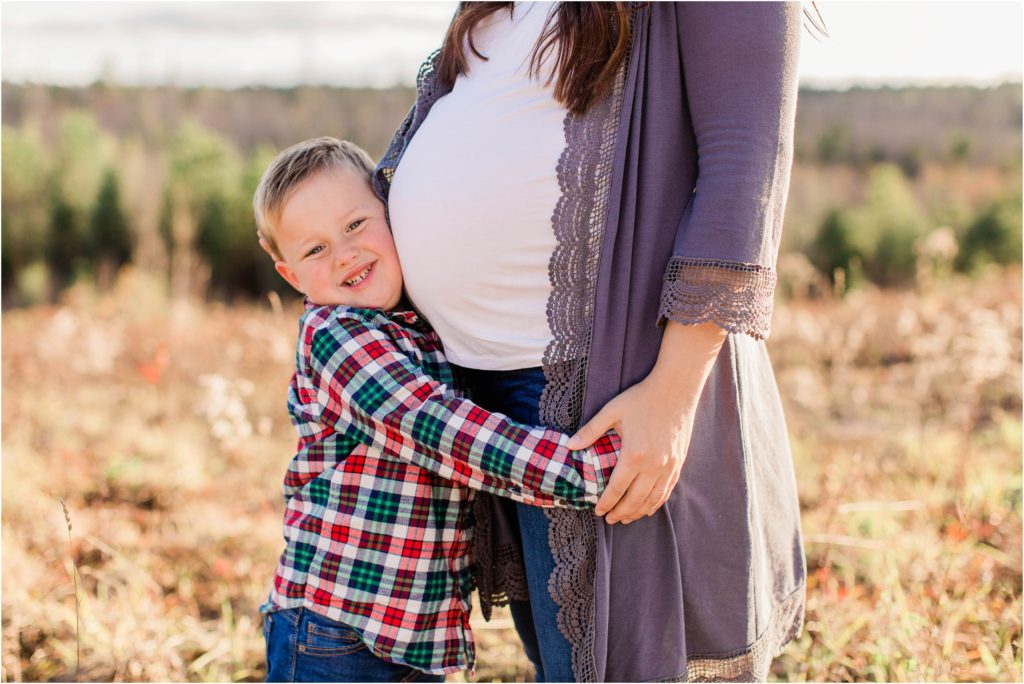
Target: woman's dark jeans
x,y
517,393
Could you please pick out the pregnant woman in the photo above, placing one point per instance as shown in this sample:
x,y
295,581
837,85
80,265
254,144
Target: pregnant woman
x,y
587,201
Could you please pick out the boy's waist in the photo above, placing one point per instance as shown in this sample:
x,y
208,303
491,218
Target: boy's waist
x,y
395,540
433,636
339,546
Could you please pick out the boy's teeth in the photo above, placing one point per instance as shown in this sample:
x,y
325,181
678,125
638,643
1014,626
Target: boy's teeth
x,y
359,278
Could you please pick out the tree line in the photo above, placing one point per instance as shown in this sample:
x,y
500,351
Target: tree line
x,y
96,178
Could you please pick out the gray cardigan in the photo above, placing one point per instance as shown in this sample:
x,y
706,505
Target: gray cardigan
x,y
673,193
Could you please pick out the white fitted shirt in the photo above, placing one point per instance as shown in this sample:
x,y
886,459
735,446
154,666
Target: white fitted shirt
x,y
472,200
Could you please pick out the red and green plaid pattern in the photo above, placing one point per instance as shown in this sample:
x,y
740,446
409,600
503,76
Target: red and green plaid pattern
x,y
378,521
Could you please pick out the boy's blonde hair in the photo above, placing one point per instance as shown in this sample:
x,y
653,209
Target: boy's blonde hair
x,y
290,168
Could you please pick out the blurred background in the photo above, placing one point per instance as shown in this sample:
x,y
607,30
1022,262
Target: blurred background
x,y
147,342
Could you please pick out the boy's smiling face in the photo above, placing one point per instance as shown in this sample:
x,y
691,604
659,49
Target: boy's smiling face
x,y
336,244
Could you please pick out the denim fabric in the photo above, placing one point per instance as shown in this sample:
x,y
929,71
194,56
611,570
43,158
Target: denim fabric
x,y
516,393
303,646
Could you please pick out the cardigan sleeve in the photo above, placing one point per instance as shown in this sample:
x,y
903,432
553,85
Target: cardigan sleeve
x,y
740,69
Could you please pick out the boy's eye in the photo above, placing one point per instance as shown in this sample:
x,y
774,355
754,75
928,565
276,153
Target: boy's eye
x,y
315,250
355,225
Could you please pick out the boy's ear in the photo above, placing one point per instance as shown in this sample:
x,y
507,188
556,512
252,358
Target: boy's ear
x,y
287,273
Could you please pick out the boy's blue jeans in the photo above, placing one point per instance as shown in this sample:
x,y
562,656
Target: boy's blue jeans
x,y
516,393
303,646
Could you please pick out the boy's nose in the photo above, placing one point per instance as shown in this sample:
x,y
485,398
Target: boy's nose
x,y
347,254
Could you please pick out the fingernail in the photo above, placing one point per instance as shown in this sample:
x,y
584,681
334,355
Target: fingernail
x,y
573,443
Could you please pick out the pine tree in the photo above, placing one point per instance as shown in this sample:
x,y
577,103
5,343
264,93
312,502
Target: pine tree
x,y
63,250
109,233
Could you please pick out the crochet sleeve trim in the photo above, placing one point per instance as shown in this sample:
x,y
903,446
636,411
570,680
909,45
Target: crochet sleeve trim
x,y
736,296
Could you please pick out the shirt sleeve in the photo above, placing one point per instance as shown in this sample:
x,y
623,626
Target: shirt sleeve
x,y
385,400
740,69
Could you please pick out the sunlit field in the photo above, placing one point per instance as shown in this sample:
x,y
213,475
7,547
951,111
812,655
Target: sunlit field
x,y
162,427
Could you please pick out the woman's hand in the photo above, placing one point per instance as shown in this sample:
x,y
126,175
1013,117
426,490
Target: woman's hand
x,y
655,431
654,418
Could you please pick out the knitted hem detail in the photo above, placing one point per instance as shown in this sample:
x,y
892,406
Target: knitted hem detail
x,y
751,664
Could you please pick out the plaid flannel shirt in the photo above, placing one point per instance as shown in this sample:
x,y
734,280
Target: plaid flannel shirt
x,y
378,520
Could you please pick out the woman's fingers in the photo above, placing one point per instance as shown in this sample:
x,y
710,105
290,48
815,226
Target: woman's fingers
x,y
604,421
618,485
631,506
658,496
669,488
628,505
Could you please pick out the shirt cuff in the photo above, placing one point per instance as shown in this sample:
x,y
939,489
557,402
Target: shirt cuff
x,y
598,463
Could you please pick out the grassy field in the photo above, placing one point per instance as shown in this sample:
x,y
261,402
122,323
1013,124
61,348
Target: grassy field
x,y
162,428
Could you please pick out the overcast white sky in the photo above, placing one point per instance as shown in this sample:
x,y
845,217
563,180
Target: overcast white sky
x,y
382,43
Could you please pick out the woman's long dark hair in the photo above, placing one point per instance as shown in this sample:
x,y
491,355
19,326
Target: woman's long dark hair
x,y
590,39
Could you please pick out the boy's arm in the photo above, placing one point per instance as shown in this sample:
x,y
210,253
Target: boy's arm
x,y
365,382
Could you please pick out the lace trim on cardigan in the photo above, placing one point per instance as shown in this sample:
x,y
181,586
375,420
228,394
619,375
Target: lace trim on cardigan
x,y
428,91
500,574
752,663
572,537
736,296
580,221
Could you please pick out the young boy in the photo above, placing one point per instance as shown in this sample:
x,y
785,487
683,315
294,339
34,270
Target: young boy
x,y
374,583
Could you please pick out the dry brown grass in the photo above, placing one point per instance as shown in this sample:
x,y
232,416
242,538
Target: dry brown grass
x,y
163,428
